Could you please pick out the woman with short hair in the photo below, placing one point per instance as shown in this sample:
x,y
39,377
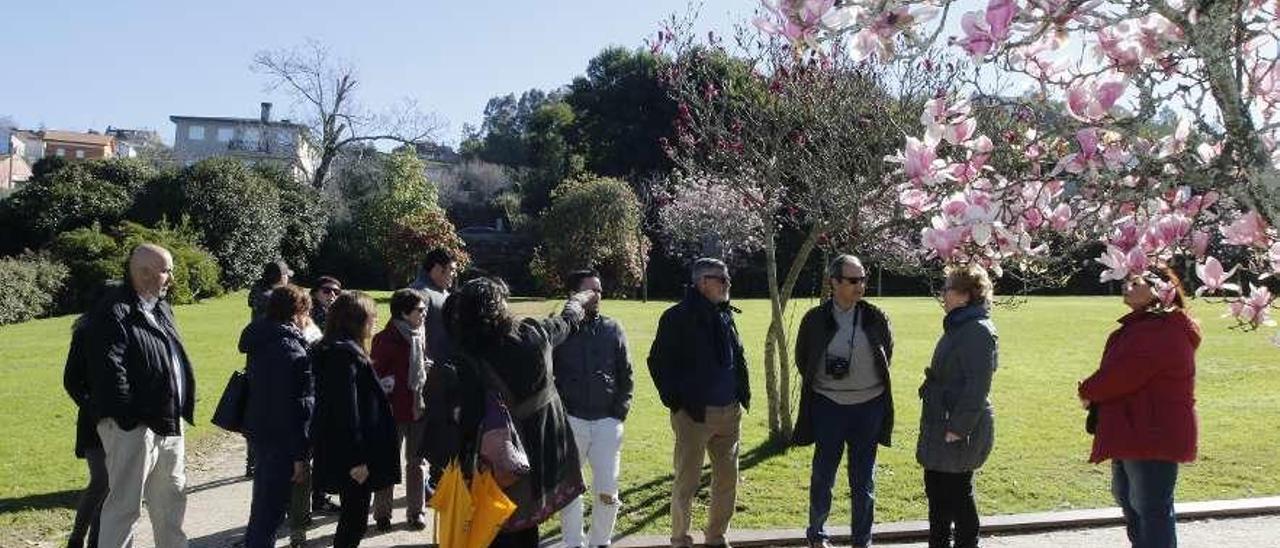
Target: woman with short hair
x,y
400,361
278,413
1144,393
957,428
354,432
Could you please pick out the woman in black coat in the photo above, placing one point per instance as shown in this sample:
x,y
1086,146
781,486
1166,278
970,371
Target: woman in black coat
x,y
278,415
494,352
354,432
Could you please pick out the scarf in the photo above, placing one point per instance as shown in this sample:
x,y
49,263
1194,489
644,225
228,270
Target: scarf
x,y
417,362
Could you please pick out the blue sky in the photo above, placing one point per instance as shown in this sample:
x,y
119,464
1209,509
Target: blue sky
x,y
77,65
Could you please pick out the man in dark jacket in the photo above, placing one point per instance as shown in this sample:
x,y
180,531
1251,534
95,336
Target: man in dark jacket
x,y
143,387
593,376
843,352
699,369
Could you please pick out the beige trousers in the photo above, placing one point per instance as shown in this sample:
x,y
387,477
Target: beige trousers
x,y
717,437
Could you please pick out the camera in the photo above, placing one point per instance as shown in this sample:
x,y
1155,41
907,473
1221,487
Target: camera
x,y
837,367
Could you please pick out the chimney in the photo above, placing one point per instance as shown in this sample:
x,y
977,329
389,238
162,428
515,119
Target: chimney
x,y
266,112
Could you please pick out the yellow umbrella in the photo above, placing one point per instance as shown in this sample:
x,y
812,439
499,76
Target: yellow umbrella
x,y
452,503
492,508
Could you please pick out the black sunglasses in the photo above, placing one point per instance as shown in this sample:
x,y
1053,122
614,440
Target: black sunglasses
x,y
723,279
855,280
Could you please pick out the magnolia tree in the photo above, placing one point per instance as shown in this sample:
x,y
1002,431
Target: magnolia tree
x,y
1204,189
769,139
704,217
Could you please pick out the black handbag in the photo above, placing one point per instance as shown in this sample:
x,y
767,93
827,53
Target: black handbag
x,y
231,406
1091,420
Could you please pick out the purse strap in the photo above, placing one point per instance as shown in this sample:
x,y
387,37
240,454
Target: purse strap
x,y
518,411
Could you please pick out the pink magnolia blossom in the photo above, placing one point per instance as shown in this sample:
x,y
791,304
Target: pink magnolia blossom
x,y
1090,101
1200,243
798,20
1165,291
1090,157
1177,142
1248,230
1117,264
1255,309
941,239
1214,278
1062,218
1273,256
916,201
1125,235
984,31
920,163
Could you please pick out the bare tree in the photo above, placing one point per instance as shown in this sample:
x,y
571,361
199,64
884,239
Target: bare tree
x,y
325,88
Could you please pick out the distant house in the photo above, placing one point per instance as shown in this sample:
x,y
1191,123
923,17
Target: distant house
x,y
77,146
253,140
130,142
27,144
14,169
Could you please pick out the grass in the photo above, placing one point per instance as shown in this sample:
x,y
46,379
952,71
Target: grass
x,y
1047,345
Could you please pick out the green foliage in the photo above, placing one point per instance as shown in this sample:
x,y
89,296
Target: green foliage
x,y
94,257
30,287
593,222
623,113
238,213
305,214
409,239
64,196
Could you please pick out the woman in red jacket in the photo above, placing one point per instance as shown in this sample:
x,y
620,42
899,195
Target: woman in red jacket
x,y
400,361
1144,391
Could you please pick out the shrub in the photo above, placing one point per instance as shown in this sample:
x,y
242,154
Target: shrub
x,y
411,237
94,257
30,287
592,223
305,214
68,196
238,213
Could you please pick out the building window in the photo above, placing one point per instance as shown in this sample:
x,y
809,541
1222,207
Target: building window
x,y
195,133
61,152
225,134
80,154
252,136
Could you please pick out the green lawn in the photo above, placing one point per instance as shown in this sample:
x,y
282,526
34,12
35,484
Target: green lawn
x,y
1048,344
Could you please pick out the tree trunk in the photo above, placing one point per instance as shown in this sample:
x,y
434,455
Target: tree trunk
x,y
775,398
1213,39
779,330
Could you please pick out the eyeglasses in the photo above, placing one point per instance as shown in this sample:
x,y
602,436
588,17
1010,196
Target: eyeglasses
x,y
855,280
723,279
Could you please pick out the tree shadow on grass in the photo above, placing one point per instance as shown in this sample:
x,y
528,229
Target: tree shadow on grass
x,y
46,501
649,501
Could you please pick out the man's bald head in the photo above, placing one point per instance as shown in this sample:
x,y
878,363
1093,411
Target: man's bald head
x,y
150,270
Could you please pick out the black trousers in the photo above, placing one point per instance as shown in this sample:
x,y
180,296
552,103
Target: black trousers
x,y
354,519
951,502
90,501
525,538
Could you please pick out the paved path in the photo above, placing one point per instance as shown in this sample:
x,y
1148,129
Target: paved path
x,y
1256,532
218,508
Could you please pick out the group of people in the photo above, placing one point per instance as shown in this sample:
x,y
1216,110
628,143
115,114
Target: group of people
x,y
334,408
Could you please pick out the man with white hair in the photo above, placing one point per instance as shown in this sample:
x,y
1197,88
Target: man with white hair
x,y
142,389
698,366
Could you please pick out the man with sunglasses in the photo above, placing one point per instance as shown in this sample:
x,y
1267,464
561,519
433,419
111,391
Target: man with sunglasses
x,y
326,291
697,364
843,351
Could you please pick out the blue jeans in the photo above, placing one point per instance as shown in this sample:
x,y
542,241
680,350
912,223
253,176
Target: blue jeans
x,y
834,427
1144,491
